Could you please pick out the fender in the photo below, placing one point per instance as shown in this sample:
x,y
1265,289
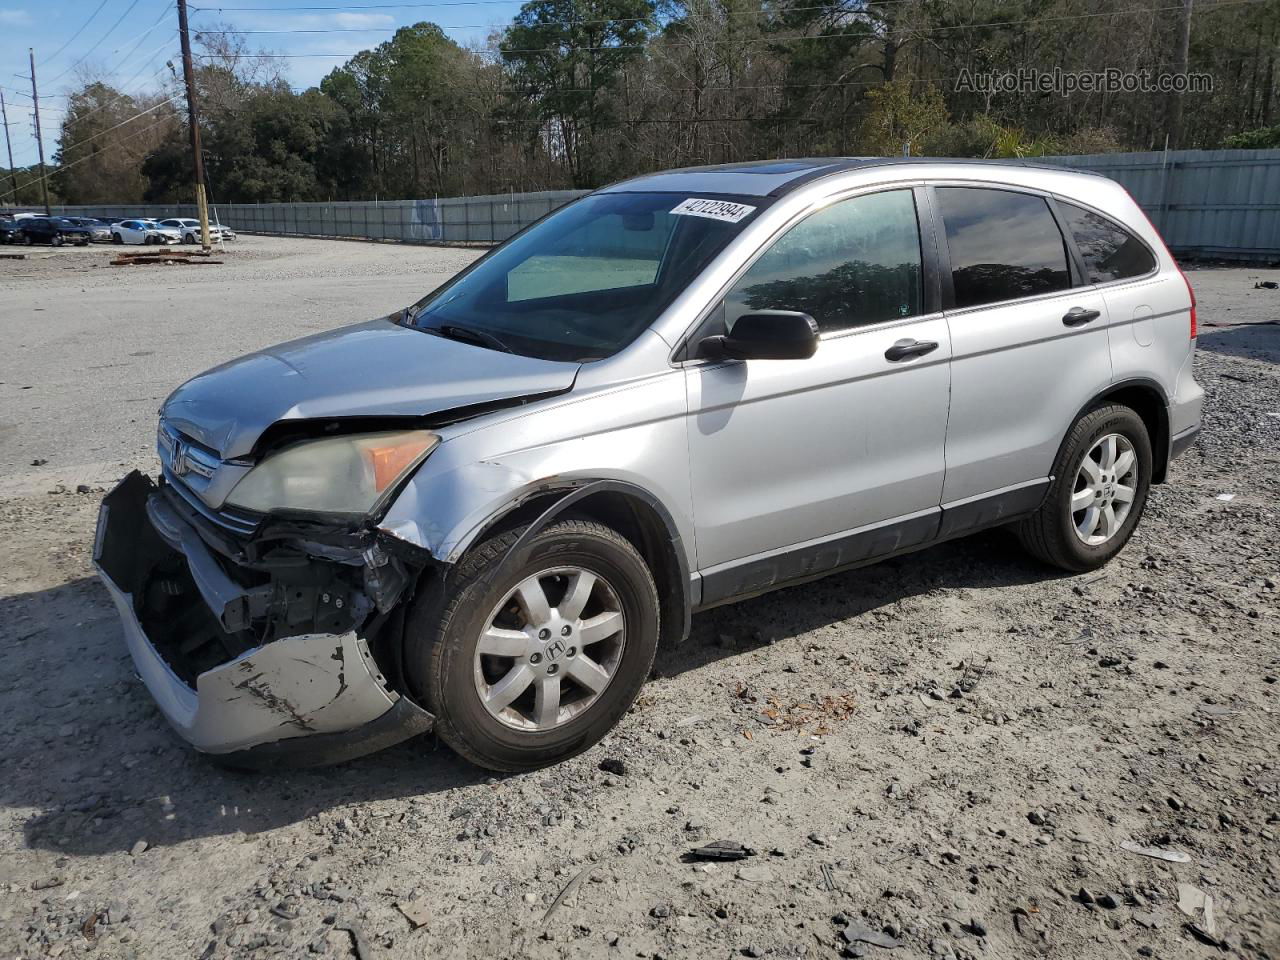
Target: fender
x,y
1160,439
677,615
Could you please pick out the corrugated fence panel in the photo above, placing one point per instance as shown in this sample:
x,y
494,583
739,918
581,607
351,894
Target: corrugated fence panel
x,y
1211,203
1207,203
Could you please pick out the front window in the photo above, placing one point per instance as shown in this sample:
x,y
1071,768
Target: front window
x,y
587,280
854,263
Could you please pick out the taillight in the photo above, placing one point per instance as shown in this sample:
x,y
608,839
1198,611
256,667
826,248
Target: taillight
x,y
1192,294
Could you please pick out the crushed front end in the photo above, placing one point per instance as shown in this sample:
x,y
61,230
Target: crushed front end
x,y
261,639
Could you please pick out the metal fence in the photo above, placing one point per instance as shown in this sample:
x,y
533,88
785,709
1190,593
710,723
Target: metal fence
x,y
489,219
1220,204
1206,203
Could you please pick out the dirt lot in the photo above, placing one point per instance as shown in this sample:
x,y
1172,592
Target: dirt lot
x,y
948,749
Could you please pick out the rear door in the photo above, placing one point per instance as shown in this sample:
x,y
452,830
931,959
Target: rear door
x,y
1029,341
799,466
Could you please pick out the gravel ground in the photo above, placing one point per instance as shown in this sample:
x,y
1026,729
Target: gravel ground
x,y
945,751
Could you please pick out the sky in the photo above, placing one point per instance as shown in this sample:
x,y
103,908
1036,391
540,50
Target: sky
x,y
128,42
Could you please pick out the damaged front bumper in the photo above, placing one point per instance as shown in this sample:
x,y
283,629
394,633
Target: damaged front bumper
x,y
234,667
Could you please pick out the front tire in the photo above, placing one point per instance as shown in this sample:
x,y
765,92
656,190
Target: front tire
x,y
1098,493
116,238
537,665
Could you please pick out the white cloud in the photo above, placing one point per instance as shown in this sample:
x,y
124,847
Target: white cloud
x,y
14,18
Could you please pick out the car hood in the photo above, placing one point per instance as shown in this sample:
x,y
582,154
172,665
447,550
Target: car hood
x,y
374,369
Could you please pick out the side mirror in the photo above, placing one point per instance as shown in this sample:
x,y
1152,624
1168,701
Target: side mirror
x,y
765,335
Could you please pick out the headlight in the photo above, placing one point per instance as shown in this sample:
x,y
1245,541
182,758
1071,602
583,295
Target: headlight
x,y
336,475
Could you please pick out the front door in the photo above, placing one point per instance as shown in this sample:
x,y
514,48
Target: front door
x,y
800,466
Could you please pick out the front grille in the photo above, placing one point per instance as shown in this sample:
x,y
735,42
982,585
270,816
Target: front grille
x,y
194,471
228,518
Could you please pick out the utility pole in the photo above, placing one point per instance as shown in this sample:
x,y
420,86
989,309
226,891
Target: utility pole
x,y
193,119
35,100
13,174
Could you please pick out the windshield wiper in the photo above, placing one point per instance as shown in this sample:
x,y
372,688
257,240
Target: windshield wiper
x,y
483,338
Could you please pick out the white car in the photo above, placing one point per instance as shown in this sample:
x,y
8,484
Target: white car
x,y
190,230
143,231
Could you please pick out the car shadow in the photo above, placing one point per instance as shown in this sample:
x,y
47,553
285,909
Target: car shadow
x,y
1252,341
992,559
95,758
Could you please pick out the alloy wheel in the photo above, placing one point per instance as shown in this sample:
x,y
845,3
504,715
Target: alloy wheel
x,y
550,648
1105,488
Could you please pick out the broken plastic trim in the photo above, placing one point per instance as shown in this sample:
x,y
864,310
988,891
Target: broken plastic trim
x,y
284,692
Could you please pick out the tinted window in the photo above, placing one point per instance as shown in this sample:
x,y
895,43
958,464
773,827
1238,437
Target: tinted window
x,y
1110,251
856,262
1003,245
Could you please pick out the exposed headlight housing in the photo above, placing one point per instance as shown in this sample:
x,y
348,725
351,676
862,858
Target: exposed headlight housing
x,y
345,475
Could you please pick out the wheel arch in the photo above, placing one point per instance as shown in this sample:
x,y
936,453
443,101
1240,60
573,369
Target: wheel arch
x,y
629,509
1149,401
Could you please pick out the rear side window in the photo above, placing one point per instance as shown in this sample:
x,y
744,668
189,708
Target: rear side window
x,y
855,263
1003,245
1110,251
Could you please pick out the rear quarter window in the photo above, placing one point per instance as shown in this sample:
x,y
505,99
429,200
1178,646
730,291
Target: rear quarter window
x,y
1110,251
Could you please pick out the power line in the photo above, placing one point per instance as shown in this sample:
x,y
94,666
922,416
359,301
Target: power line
x,y
63,148
97,44
54,55
744,14
75,163
771,40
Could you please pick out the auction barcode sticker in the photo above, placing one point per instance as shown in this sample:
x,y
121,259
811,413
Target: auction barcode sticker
x,y
724,210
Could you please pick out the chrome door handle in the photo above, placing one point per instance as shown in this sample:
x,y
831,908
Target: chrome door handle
x,y
906,349
1077,316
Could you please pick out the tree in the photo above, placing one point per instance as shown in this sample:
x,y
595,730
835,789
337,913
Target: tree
x,y
901,116
565,57
104,137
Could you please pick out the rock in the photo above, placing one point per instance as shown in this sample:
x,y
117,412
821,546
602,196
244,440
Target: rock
x,y
138,848
751,950
1107,901
613,765
417,912
754,874
1084,896
661,911
857,933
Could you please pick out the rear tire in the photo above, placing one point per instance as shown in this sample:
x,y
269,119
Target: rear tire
x,y
1071,529
446,672
116,238
55,240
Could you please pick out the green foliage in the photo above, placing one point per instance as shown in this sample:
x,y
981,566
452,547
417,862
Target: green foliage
x,y
1258,139
564,57
581,92
902,114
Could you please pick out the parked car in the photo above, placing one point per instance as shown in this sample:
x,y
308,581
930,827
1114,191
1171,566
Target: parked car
x,y
54,231
10,230
100,230
485,512
190,230
143,231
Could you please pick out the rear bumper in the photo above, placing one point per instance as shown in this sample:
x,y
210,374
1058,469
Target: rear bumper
x,y
301,700
1179,443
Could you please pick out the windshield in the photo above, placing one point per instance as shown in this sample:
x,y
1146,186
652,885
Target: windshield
x,y
587,280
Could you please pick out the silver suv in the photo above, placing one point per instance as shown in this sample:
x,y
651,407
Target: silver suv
x,y
484,513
